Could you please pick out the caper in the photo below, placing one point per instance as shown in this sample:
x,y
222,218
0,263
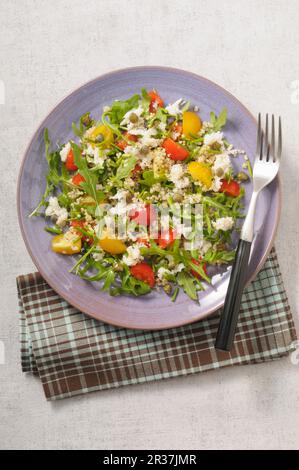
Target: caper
x,y
133,118
99,138
215,146
177,197
144,149
86,120
219,172
167,288
242,176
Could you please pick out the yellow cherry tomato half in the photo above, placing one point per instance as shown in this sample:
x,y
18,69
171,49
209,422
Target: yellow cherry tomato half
x,y
66,243
191,123
112,246
201,172
102,135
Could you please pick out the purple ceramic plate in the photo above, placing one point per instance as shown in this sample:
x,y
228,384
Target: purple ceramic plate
x,y
154,311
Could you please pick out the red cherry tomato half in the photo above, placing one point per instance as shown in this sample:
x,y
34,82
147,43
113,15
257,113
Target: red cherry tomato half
x,y
144,216
136,170
231,188
78,179
143,272
70,161
156,101
166,238
198,263
174,150
122,144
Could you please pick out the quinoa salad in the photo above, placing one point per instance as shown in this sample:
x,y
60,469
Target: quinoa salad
x,y
116,195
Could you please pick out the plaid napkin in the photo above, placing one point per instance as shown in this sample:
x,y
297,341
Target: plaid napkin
x,y
74,354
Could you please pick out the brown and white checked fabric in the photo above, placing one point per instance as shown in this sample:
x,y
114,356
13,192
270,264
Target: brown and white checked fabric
x,y
74,354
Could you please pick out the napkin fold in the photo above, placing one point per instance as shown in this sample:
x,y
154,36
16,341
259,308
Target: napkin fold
x,y
75,354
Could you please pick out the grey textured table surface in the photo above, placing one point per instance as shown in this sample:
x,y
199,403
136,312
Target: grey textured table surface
x,y
46,50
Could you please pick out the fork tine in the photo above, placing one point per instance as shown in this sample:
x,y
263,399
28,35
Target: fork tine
x,y
259,139
272,152
266,143
279,146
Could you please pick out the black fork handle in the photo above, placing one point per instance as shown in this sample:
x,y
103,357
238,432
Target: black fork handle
x,y
229,317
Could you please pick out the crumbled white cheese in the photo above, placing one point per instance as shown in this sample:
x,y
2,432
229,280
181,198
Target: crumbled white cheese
x,y
213,137
99,156
126,119
223,223
98,256
64,151
57,213
162,126
147,137
106,109
221,165
182,183
174,108
143,131
176,172
132,150
216,185
204,246
162,272
176,175
121,208
178,268
133,255
120,194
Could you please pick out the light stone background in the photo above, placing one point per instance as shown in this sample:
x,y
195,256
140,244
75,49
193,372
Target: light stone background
x,y
47,48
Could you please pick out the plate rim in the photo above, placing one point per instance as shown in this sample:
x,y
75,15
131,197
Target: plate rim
x,y
68,298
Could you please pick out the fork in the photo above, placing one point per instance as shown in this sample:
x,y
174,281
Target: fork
x,y
266,165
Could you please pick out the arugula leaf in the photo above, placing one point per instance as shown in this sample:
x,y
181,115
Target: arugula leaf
x,y
175,294
224,256
220,121
249,167
120,108
154,249
53,176
91,179
131,285
146,99
188,283
76,130
125,167
149,178
199,269
160,115
54,229
110,277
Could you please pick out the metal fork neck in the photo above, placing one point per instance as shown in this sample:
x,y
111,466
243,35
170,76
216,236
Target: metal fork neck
x,y
247,229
